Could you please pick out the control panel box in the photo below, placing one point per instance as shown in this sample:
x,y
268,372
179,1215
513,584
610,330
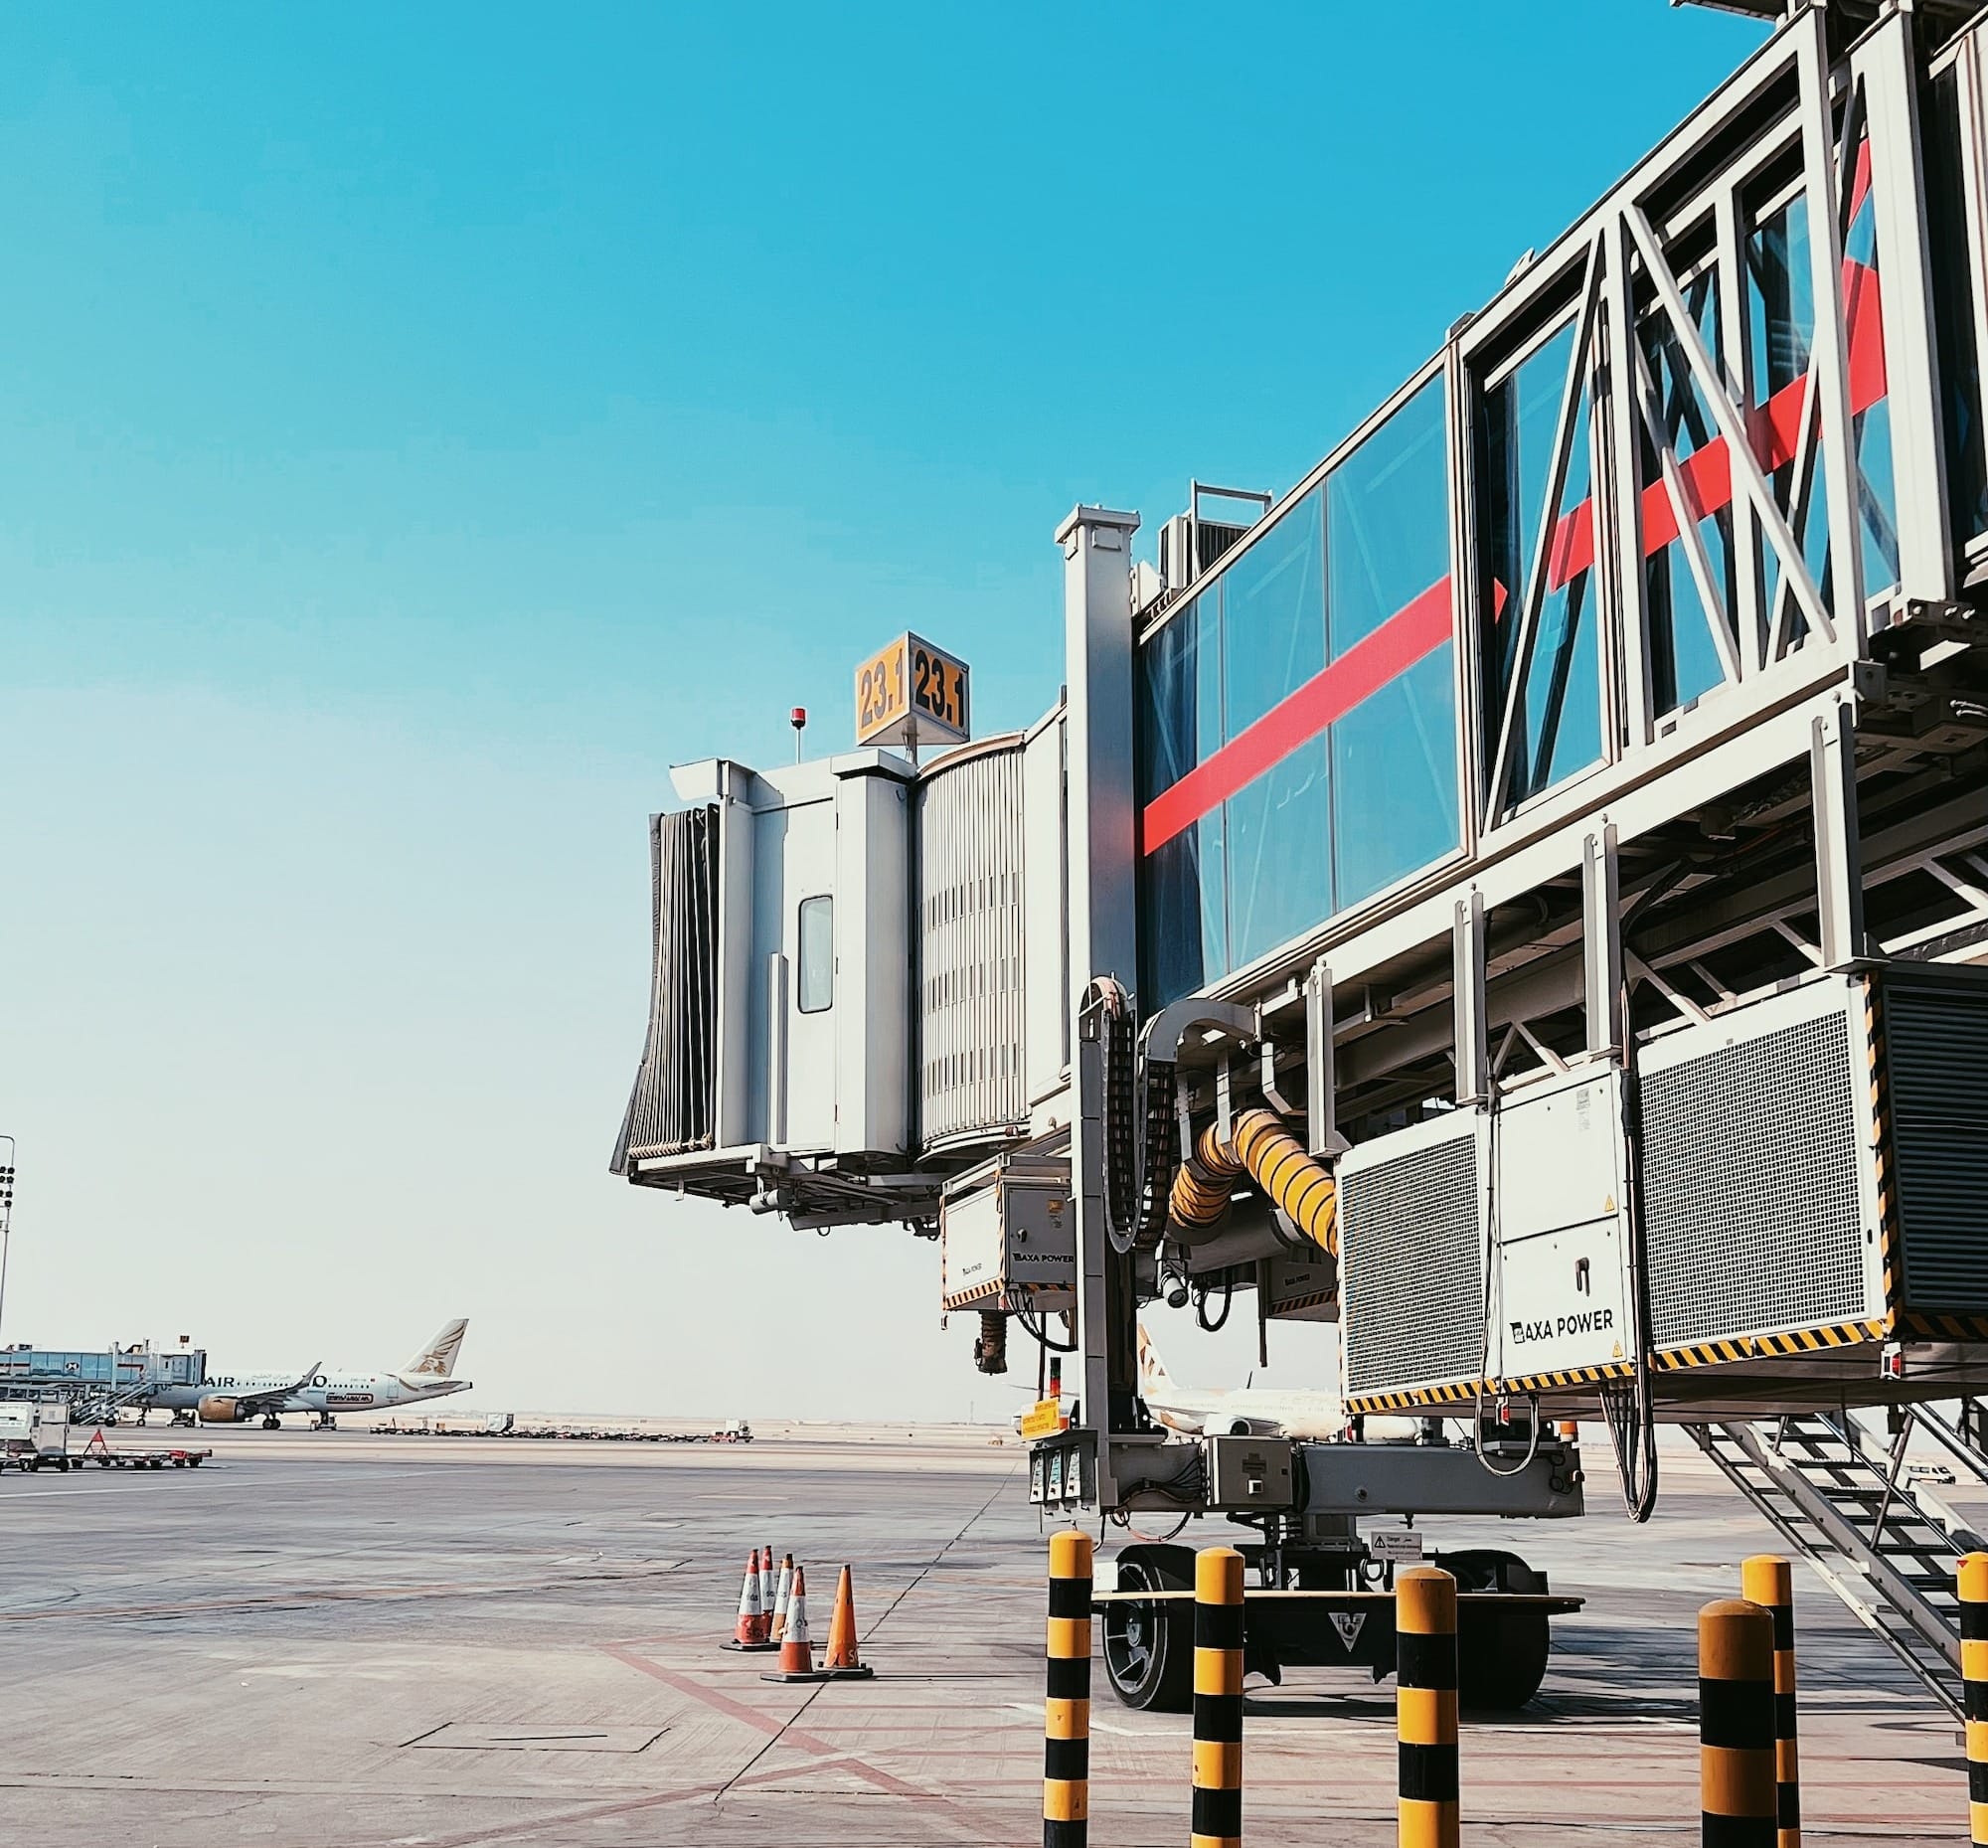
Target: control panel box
x,y
1560,1283
1010,1235
1248,1472
1063,1469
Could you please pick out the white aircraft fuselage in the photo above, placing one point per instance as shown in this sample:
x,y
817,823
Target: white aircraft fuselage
x,y
239,1398
321,1392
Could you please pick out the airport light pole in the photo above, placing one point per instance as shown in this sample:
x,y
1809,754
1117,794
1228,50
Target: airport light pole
x,y
6,1220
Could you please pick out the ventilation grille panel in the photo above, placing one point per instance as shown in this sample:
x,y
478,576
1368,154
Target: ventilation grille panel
x,y
971,1071
1414,1268
1936,1035
1750,1186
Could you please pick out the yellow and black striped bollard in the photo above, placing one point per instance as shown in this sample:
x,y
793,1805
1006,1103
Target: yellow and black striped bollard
x,y
1425,1706
1735,1725
1067,1708
1768,1580
1217,1699
1973,1588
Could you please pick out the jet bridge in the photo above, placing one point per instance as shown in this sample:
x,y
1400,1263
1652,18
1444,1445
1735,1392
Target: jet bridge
x,y
1565,812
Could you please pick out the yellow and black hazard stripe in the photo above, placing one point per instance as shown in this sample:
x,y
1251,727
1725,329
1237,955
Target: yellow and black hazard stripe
x,y
1426,1697
1455,1392
1761,1347
1311,1301
1924,1327
1067,1704
1217,1819
1461,1392
962,1298
1768,1580
1564,1379
1735,1725
1971,1584
1890,1247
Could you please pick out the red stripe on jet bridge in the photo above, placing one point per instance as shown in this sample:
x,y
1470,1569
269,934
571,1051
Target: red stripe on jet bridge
x,y
1407,636
1423,625
1774,429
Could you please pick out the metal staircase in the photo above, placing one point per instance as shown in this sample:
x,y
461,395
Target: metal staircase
x,y
1886,1543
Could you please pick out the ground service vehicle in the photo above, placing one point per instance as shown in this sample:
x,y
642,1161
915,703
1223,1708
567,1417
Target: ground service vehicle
x,y
34,1434
1522,894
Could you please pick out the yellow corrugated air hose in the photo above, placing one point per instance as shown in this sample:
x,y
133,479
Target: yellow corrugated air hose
x,y
1199,1193
1276,1160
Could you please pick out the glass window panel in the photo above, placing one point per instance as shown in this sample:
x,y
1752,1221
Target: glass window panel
x,y
1780,329
1184,939
1953,305
1386,513
1279,860
1393,780
1557,729
1871,414
1394,756
814,976
1685,661
1273,615
1184,936
1180,697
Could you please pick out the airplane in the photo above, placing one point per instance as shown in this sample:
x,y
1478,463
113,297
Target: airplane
x,y
236,1399
1244,1411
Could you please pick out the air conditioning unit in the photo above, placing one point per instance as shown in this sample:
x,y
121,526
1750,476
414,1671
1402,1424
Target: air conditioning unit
x,y
1812,1183
1190,542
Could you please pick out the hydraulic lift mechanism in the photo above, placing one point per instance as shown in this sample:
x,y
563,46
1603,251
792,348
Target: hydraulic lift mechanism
x,y
1522,894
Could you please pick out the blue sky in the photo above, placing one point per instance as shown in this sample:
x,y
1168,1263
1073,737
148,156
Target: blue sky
x,y
418,427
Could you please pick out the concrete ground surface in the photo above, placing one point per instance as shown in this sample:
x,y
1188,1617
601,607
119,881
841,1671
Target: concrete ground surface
x,y
340,1640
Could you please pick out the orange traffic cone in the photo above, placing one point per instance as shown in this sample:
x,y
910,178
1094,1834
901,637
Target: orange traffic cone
x,y
841,1663
750,1631
782,1592
768,1585
797,1652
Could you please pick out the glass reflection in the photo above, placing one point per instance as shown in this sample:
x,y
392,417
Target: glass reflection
x,y
1557,728
1685,660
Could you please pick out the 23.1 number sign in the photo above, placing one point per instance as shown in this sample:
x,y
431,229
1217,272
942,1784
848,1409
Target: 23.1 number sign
x,y
911,693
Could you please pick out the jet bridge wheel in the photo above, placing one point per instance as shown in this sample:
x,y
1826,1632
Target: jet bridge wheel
x,y
1149,1647
1501,1654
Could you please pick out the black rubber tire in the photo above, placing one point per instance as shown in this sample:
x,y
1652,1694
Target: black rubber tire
x,y
1148,1649
1501,1657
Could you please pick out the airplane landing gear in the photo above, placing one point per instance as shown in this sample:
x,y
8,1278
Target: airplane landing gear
x,y
325,1421
271,1421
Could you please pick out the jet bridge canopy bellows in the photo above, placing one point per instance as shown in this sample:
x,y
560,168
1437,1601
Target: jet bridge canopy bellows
x,y
670,1110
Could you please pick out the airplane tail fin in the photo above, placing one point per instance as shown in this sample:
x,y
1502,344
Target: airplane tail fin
x,y
1153,1375
437,1361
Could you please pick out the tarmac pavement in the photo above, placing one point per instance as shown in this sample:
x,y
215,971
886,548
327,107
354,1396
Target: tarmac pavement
x,y
339,1640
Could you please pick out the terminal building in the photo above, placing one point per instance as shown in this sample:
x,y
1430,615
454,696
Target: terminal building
x,y
1521,893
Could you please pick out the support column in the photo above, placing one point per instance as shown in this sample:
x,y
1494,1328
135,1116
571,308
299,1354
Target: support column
x,y
1103,848
1472,1035
1839,848
1601,940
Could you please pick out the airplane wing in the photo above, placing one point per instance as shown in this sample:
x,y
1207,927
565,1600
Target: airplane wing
x,y
273,1397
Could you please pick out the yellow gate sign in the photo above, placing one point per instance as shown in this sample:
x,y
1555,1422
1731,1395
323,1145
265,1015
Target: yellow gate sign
x,y
1041,1420
911,693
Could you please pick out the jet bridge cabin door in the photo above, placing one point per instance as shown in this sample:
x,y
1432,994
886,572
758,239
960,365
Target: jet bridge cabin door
x,y
794,884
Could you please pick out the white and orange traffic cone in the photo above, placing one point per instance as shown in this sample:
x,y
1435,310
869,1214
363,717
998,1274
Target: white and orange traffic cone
x,y
782,1594
770,1575
796,1652
750,1630
840,1662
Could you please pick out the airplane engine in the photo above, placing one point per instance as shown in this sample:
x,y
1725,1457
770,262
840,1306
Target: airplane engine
x,y
219,1411
1230,1427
